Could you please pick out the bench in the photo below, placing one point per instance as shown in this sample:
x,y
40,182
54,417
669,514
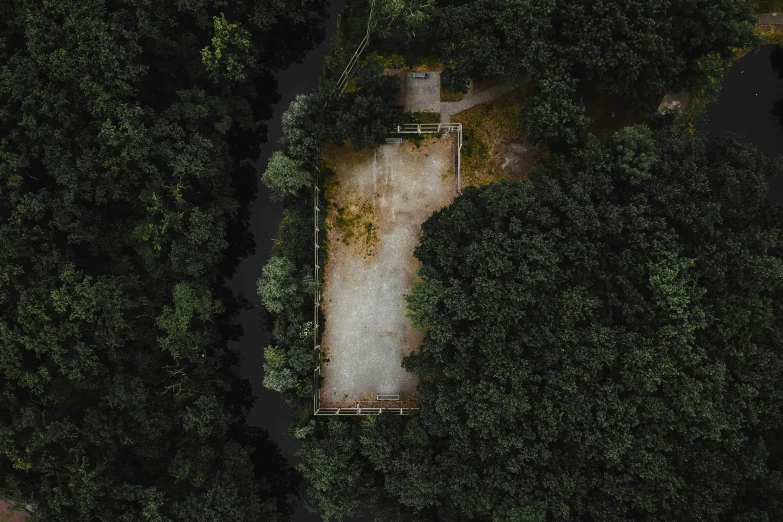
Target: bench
x,y
395,141
421,75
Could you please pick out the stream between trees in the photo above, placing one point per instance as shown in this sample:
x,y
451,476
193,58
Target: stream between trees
x,y
270,411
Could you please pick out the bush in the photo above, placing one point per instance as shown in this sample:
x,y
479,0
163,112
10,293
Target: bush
x,y
285,176
553,119
277,375
278,285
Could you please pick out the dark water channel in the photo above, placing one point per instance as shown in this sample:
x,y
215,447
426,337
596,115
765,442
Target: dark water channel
x,y
751,104
269,411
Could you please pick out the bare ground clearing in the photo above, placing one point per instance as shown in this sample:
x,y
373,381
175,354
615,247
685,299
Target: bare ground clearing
x,y
495,144
374,219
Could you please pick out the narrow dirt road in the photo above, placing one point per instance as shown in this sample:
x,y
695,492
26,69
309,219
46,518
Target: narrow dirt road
x,y
470,100
771,19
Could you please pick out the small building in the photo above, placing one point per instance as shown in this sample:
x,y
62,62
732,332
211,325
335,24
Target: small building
x,y
400,101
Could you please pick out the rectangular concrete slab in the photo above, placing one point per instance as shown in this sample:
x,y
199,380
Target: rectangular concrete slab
x,y
374,223
422,94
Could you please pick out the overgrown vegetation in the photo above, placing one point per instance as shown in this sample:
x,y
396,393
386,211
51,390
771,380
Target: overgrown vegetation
x,y
704,87
486,131
580,316
615,48
770,34
357,226
422,117
448,96
360,116
540,302
766,6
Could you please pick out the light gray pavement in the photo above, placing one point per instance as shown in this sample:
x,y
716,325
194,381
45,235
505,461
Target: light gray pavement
x,y
771,19
366,331
422,94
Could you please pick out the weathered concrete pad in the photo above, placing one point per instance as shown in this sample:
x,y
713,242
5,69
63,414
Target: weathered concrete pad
x,y
422,94
393,190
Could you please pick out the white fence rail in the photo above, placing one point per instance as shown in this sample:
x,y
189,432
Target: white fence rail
x,y
437,128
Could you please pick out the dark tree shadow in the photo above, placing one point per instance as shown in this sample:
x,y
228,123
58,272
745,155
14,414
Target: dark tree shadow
x,y
776,60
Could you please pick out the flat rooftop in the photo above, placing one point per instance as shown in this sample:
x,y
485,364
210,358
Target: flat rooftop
x,y
374,219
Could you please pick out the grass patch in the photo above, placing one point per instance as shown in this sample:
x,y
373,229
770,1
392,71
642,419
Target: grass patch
x,y
426,63
770,34
355,218
356,222
328,183
486,129
422,117
393,61
335,158
448,96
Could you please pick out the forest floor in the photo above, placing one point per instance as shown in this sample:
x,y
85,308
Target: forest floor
x,y
494,145
376,208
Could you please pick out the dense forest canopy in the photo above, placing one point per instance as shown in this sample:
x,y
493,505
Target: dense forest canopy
x,y
602,343
123,126
633,49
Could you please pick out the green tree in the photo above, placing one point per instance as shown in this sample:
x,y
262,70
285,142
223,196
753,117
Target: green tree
x,y
364,114
279,284
285,176
336,477
408,16
227,58
553,120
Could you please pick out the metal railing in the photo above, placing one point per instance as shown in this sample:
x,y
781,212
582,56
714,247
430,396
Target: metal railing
x,y
346,75
436,128
356,410
316,261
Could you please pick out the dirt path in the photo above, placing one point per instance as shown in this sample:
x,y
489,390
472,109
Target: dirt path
x,y
449,108
771,19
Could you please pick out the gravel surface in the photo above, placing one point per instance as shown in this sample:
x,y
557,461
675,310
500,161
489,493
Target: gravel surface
x,y
366,331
